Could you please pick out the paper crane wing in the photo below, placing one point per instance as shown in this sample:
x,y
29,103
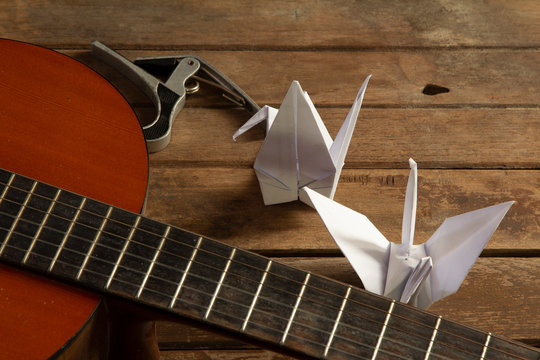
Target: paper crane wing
x,y
339,147
457,243
364,246
327,183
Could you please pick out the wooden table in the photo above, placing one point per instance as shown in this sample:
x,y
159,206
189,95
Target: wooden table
x,y
476,145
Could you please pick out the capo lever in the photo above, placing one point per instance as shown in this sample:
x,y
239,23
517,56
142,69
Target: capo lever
x,y
169,97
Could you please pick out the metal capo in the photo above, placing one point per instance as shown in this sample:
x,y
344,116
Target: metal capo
x,y
169,97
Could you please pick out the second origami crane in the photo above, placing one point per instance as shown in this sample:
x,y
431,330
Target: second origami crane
x,y
416,274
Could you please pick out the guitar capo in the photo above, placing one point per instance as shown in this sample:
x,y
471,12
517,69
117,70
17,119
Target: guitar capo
x,y
169,97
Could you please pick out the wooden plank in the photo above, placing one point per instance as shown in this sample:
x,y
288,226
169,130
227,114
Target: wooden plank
x,y
280,24
486,78
383,138
226,204
496,293
222,355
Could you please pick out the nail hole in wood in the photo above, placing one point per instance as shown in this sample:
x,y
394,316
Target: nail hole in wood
x,y
431,89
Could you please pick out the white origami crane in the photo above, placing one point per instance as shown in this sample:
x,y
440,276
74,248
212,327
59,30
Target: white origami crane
x,y
417,274
298,150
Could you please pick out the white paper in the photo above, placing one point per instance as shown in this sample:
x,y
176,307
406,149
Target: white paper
x,y
298,151
417,274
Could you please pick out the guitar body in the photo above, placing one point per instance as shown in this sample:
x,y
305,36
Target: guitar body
x,y
63,124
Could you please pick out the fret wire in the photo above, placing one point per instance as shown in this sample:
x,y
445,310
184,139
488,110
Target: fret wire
x,y
123,251
184,275
41,225
235,303
254,301
298,299
6,186
154,259
180,257
175,241
121,266
63,243
245,278
271,314
172,254
485,346
366,305
432,340
386,320
413,320
263,325
139,257
338,318
142,230
94,242
19,213
219,284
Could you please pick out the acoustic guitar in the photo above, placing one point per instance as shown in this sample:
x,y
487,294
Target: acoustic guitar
x,y
77,236
63,124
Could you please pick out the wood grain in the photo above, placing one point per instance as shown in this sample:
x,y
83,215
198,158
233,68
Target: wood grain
x,y
226,204
499,78
222,354
280,24
383,138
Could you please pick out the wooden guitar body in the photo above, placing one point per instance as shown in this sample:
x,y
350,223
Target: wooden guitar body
x,y
63,124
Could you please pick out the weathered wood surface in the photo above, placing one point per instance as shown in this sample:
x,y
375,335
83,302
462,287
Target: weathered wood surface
x,y
476,145
222,354
226,204
383,138
282,24
476,78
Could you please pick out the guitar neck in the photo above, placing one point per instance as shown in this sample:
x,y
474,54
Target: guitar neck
x,y
98,246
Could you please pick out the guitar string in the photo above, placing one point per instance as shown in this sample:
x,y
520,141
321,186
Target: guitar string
x,y
160,235
419,349
149,246
179,299
278,289
346,339
216,255
214,311
220,270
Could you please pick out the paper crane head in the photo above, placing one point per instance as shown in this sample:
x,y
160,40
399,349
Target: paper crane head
x,y
416,274
298,150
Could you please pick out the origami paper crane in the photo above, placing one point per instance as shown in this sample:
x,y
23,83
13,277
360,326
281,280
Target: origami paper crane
x,y
298,150
415,274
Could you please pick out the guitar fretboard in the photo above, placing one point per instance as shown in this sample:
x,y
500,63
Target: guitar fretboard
x,y
110,250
